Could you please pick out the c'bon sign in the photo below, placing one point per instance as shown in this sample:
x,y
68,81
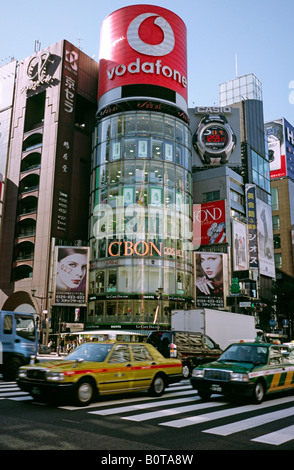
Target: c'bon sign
x,y
143,47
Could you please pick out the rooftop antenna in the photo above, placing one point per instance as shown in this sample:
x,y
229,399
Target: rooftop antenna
x,y
80,39
236,64
37,45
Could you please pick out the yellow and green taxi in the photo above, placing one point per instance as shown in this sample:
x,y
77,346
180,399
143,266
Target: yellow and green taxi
x,y
247,369
101,368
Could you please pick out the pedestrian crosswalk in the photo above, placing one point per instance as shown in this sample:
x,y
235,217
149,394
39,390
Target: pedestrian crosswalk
x,y
180,408
10,390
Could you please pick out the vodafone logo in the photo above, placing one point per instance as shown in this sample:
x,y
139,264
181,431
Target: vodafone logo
x,y
134,40
143,45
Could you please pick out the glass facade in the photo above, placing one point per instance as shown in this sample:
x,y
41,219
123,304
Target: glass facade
x,y
247,87
141,221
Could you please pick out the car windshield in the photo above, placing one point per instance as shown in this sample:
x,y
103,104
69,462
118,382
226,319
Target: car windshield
x,y
245,353
91,352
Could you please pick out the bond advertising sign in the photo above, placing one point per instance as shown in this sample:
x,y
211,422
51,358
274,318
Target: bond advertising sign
x,y
209,223
142,45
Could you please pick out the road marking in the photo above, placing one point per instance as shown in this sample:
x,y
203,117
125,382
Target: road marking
x,y
278,437
12,394
129,400
250,422
181,423
142,406
172,411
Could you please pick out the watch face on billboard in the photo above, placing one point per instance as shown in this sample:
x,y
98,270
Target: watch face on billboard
x,y
142,45
215,137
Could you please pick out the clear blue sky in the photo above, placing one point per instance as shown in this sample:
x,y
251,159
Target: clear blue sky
x,y
260,32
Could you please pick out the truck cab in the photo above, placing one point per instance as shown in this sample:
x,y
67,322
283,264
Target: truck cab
x,y
18,341
192,348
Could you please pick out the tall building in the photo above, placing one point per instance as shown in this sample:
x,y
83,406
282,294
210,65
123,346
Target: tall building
x,y
46,179
140,230
280,134
231,196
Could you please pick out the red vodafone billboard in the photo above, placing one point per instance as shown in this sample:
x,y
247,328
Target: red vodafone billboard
x,y
143,47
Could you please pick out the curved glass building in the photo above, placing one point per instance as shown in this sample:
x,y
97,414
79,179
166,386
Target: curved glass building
x,y
140,224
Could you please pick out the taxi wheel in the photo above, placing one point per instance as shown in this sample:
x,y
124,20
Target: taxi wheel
x,y
186,371
157,386
84,393
259,392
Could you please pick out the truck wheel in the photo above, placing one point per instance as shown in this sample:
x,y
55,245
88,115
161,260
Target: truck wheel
x,y
258,392
186,371
84,392
157,387
10,370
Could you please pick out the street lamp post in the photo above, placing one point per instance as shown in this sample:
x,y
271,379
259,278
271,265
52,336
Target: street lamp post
x,y
40,314
159,292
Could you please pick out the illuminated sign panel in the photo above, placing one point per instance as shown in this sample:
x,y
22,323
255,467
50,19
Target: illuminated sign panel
x,y
142,45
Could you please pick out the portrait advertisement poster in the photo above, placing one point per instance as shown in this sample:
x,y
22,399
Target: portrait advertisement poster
x,y
240,247
71,275
265,239
211,279
209,223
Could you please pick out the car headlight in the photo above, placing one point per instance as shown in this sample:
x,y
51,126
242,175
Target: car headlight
x,y
22,373
55,376
199,373
235,377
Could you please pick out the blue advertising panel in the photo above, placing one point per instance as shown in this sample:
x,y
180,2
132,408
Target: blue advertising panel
x,y
289,141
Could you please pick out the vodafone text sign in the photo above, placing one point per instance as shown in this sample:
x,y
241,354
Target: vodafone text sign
x,y
142,45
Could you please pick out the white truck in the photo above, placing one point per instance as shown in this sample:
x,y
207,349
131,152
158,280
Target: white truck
x,y
223,327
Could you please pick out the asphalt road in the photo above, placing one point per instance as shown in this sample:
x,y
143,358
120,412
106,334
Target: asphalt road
x,y
179,424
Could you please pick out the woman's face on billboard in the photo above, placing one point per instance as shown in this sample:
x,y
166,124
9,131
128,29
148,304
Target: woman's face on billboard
x,y
71,271
212,265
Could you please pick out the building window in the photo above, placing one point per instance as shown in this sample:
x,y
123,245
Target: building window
x,y
236,197
275,199
276,222
278,260
277,241
260,171
211,196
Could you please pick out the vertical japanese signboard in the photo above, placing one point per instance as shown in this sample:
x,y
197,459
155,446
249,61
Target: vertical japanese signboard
x,y
252,226
64,155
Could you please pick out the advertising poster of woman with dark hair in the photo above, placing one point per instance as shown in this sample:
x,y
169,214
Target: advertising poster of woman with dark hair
x,y
209,280
71,275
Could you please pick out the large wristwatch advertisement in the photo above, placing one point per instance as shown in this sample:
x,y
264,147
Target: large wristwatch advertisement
x,y
214,139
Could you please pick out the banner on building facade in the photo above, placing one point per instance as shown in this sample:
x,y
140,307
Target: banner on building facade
x,y
252,226
211,279
209,223
71,275
239,246
265,239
